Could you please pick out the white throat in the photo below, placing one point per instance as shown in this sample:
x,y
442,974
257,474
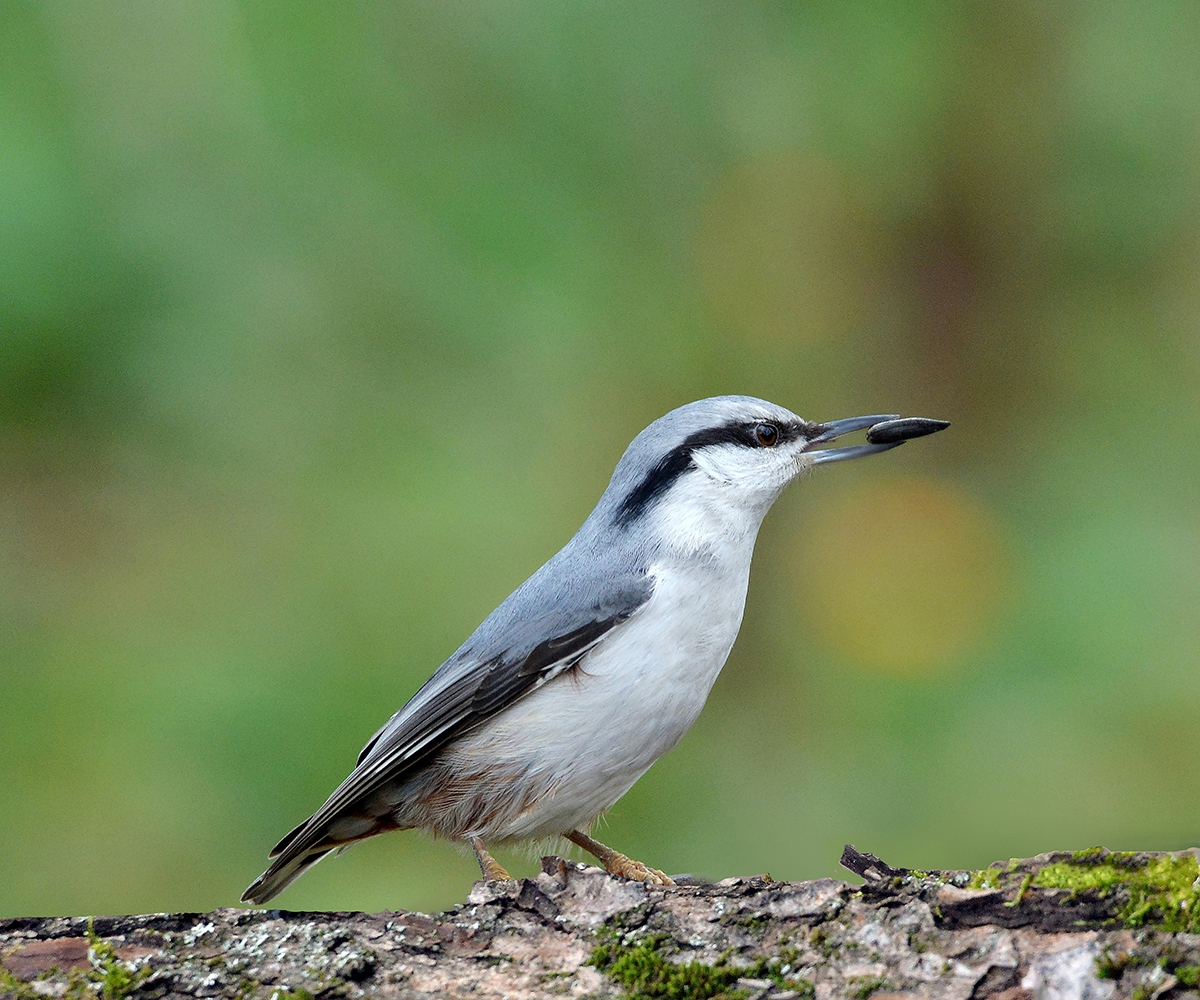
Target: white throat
x,y
706,516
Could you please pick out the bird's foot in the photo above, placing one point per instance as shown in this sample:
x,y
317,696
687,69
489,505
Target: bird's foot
x,y
616,863
492,870
624,867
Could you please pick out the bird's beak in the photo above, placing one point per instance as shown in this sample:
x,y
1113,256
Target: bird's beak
x,y
895,432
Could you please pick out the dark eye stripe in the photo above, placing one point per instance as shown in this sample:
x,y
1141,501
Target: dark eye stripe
x,y
678,460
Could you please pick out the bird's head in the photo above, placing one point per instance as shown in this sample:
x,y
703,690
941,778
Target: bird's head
x,y
727,457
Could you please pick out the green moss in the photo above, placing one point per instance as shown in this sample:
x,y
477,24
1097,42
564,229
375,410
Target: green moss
x,y
861,987
1167,954
1188,975
777,969
1163,891
10,984
788,954
819,939
1088,854
644,971
985,878
918,943
1113,966
115,978
1026,882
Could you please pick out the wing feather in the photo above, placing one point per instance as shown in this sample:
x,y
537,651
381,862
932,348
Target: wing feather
x,y
495,668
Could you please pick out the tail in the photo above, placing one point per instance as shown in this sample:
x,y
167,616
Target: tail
x,y
282,873
304,846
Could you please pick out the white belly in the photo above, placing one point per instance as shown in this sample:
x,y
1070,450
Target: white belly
x,y
572,748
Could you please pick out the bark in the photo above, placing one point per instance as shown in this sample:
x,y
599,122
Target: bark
x,y
574,931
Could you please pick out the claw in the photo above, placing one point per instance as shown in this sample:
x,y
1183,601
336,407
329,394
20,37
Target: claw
x,y
492,870
624,867
616,863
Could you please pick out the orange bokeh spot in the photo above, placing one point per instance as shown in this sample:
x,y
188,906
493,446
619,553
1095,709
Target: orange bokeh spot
x,y
903,575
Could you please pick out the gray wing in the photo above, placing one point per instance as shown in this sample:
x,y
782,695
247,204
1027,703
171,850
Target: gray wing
x,y
510,655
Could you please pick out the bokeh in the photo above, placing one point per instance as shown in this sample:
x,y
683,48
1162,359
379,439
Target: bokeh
x,y
322,325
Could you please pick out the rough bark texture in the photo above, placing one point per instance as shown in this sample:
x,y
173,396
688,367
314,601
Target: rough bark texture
x,y
574,931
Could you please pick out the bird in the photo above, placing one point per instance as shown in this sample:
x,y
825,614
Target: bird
x,y
598,663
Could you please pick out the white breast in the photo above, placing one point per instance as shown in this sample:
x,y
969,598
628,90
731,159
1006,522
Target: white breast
x,y
576,745
566,752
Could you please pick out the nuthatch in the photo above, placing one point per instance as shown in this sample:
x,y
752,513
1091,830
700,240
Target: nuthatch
x,y
597,664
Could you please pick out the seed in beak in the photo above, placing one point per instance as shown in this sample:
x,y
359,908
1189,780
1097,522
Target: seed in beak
x,y
895,431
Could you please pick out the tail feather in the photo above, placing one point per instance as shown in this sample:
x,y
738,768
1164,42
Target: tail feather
x,y
280,875
292,834
305,846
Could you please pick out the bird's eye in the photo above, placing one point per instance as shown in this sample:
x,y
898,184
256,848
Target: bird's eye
x,y
766,434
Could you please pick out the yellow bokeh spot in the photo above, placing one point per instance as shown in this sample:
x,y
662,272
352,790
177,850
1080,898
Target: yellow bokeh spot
x,y
904,575
782,251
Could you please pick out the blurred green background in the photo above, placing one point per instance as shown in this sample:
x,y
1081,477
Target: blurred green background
x,y
323,324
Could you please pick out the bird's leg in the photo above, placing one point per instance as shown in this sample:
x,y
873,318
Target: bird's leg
x,y
615,863
492,870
